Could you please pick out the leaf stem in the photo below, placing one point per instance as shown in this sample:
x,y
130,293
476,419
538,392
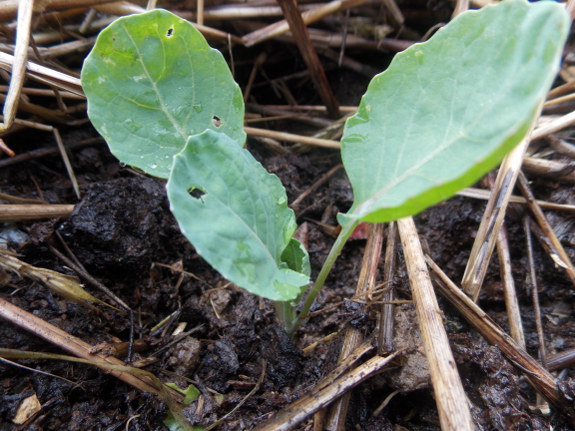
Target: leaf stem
x,y
326,268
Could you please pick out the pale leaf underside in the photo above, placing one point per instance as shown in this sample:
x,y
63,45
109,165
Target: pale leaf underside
x,y
448,110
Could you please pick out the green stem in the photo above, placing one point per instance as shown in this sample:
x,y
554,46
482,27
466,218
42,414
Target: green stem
x,y
326,268
285,311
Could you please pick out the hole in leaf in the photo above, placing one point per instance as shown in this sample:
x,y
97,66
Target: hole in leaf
x,y
170,32
216,121
196,193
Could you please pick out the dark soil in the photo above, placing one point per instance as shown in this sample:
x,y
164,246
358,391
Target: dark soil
x,y
123,226
124,234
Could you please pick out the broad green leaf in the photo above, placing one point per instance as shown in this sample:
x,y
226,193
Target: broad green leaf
x,y
235,214
447,111
151,82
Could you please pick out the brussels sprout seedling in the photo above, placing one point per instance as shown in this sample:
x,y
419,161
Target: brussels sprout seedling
x,y
443,114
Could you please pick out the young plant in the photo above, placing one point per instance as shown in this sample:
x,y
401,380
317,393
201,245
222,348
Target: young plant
x,y
156,90
444,113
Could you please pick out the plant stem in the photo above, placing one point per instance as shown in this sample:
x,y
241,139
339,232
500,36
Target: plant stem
x,y
326,268
285,311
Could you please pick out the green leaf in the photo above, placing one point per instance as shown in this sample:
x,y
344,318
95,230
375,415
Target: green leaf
x,y
448,110
191,393
296,257
151,82
235,214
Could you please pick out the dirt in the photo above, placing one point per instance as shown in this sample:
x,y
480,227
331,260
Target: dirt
x,y
122,228
124,234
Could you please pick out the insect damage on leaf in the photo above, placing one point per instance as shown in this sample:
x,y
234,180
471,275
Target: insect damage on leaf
x,y
163,84
217,121
196,193
245,228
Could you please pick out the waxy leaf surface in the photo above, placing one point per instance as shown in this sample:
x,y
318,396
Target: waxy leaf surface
x,y
235,214
152,81
447,111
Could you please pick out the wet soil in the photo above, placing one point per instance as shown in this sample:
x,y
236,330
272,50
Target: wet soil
x,y
122,229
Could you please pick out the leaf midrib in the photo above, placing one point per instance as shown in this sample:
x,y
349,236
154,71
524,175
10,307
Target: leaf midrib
x,y
154,86
367,203
246,225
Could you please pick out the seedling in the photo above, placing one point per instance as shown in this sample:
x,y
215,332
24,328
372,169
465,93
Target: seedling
x,y
444,113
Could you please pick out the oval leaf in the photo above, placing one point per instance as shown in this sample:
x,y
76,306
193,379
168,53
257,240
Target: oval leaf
x,y
447,111
235,214
151,82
